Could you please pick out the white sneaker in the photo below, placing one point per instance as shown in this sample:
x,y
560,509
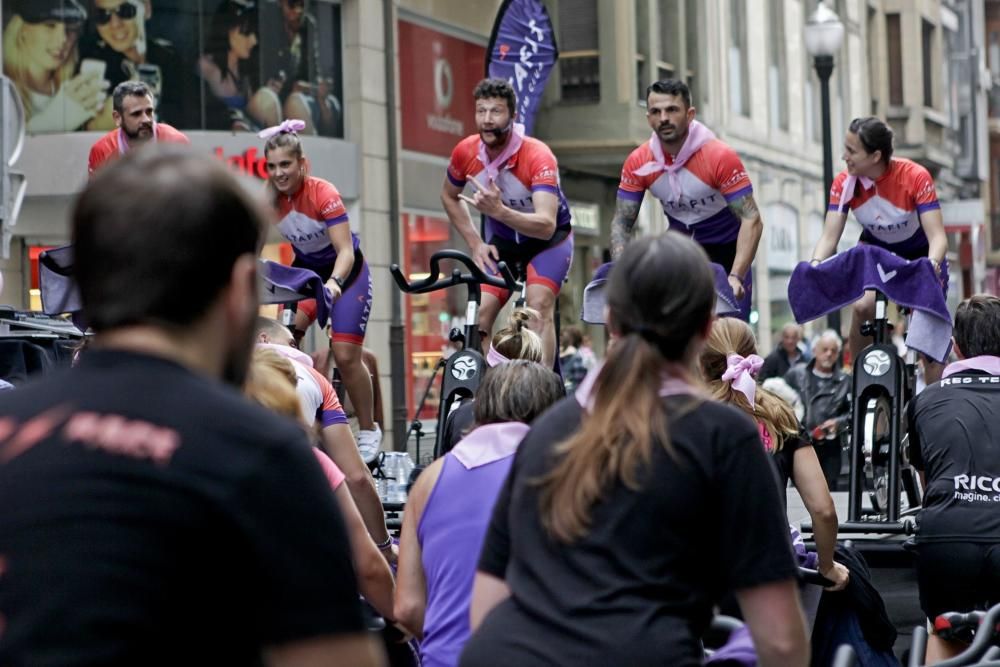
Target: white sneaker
x,y
370,443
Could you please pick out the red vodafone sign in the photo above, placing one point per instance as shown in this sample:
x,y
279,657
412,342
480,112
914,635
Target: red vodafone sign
x,y
437,73
249,162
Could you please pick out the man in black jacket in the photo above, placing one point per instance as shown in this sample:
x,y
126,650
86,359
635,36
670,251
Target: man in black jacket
x,y
786,355
826,395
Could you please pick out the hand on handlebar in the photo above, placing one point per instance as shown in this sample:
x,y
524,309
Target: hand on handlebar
x,y
486,256
838,574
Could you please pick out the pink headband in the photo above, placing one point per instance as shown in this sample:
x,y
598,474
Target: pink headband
x,y
494,358
292,125
742,373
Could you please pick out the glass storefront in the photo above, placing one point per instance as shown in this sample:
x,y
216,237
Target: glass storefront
x,y
234,65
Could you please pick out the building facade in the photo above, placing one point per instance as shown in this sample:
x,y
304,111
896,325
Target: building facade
x,y
399,74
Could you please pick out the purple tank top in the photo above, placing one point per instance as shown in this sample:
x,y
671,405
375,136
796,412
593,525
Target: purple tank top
x,y
451,533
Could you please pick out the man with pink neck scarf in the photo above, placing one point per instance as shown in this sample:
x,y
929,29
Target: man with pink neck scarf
x,y
514,183
701,183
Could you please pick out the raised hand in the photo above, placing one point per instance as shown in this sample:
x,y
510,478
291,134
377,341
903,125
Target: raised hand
x,y
486,199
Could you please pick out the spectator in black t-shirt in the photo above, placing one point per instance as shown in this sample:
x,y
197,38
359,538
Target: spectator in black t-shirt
x,y
729,363
954,428
625,518
151,514
825,391
786,356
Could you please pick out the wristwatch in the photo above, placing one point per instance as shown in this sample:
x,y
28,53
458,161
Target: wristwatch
x,y
339,281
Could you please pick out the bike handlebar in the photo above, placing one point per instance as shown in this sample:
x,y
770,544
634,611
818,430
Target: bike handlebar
x,y
814,577
476,276
981,643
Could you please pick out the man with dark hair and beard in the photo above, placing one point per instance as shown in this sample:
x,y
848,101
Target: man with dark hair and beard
x,y
151,514
134,111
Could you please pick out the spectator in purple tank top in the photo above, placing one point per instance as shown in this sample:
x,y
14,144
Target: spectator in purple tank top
x,y
450,506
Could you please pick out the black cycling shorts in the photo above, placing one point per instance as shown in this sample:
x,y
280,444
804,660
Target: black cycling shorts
x,y
957,576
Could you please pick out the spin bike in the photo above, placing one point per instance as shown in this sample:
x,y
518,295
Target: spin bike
x,y
880,470
463,369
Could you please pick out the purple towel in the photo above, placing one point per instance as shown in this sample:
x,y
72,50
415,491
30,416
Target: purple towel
x,y
592,311
58,290
725,300
804,557
814,291
303,282
738,650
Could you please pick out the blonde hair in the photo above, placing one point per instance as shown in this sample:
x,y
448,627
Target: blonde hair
x,y
732,336
516,340
271,382
16,67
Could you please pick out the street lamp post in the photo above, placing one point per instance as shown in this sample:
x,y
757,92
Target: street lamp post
x,y
824,33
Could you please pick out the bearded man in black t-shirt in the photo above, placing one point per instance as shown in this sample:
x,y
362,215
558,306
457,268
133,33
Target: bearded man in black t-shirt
x,y
151,516
955,443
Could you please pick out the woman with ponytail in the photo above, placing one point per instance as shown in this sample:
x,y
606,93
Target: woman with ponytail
x,y
311,215
729,364
632,507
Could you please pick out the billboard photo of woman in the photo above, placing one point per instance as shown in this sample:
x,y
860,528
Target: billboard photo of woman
x,y
40,56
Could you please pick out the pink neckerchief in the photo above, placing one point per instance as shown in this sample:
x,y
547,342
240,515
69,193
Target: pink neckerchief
x,y
742,373
850,183
672,385
489,443
985,363
289,353
123,140
493,167
698,136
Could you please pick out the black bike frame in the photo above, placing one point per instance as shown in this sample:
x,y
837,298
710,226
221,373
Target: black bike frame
x,y
463,369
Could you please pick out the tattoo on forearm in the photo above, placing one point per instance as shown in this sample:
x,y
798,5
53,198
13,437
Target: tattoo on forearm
x,y
626,213
745,208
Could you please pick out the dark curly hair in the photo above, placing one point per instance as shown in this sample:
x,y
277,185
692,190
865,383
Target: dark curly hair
x,y
496,88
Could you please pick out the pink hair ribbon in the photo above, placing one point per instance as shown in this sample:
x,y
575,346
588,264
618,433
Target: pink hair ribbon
x,y
494,358
742,373
291,125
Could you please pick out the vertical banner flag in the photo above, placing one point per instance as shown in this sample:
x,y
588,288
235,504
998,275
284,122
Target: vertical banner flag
x,y
523,51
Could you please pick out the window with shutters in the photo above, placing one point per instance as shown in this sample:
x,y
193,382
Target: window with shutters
x,y
777,71
739,75
579,61
893,38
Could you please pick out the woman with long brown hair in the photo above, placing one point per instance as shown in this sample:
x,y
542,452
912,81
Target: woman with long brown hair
x,y
729,364
634,506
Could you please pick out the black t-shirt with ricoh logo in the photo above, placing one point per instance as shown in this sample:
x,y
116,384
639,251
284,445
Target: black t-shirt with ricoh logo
x,y
955,440
153,516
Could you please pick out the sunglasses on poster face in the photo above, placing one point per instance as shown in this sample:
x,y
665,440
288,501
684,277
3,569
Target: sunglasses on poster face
x,y
125,11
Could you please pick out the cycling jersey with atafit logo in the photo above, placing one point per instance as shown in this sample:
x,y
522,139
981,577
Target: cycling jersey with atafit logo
x,y
533,168
954,438
305,216
713,177
889,210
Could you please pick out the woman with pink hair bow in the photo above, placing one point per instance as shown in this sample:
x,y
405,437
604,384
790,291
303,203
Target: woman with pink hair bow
x,y
729,365
311,215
